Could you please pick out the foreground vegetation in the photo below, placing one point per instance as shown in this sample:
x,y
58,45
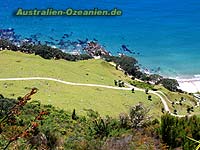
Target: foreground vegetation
x,y
58,129
36,126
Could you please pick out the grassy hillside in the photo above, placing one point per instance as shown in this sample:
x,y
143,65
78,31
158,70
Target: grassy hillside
x,y
106,101
16,64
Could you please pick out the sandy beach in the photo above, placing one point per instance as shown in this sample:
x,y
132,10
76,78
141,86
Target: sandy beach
x,y
189,85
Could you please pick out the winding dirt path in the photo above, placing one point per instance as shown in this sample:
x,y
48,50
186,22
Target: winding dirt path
x,y
129,87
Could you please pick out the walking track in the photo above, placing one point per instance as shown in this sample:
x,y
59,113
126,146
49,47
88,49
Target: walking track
x,y
129,87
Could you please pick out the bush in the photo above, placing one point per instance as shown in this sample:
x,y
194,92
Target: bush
x,y
138,115
174,131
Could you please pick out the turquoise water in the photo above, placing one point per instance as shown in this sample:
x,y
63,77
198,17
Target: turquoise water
x,y
166,33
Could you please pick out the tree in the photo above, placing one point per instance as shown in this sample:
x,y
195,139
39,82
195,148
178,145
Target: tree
x,y
146,91
122,83
149,97
192,109
182,99
74,117
173,104
163,110
115,81
125,73
175,111
170,84
188,110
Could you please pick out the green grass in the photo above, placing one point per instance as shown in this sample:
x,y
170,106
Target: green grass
x,y
16,64
142,85
105,101
175,97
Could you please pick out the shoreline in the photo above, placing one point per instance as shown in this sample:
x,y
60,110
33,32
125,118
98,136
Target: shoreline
x,y
190,85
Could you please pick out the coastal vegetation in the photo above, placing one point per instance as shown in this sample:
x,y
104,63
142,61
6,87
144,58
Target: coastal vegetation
x,y
170,84
44,51
130,67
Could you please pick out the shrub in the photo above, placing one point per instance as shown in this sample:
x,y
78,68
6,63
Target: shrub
x,y
142,85
138,115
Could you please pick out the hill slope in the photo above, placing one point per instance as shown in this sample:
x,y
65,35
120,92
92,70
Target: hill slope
x,y
106,101
16,64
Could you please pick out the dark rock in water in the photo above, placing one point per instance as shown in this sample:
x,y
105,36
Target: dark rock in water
x,y
95,40
51,38
51,43
66,35
124,47
81,42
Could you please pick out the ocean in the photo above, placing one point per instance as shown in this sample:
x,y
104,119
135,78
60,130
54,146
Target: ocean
x,y
161,34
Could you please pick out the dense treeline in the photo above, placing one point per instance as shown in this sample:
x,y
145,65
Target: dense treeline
x,y
130,66
44,51
170,84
